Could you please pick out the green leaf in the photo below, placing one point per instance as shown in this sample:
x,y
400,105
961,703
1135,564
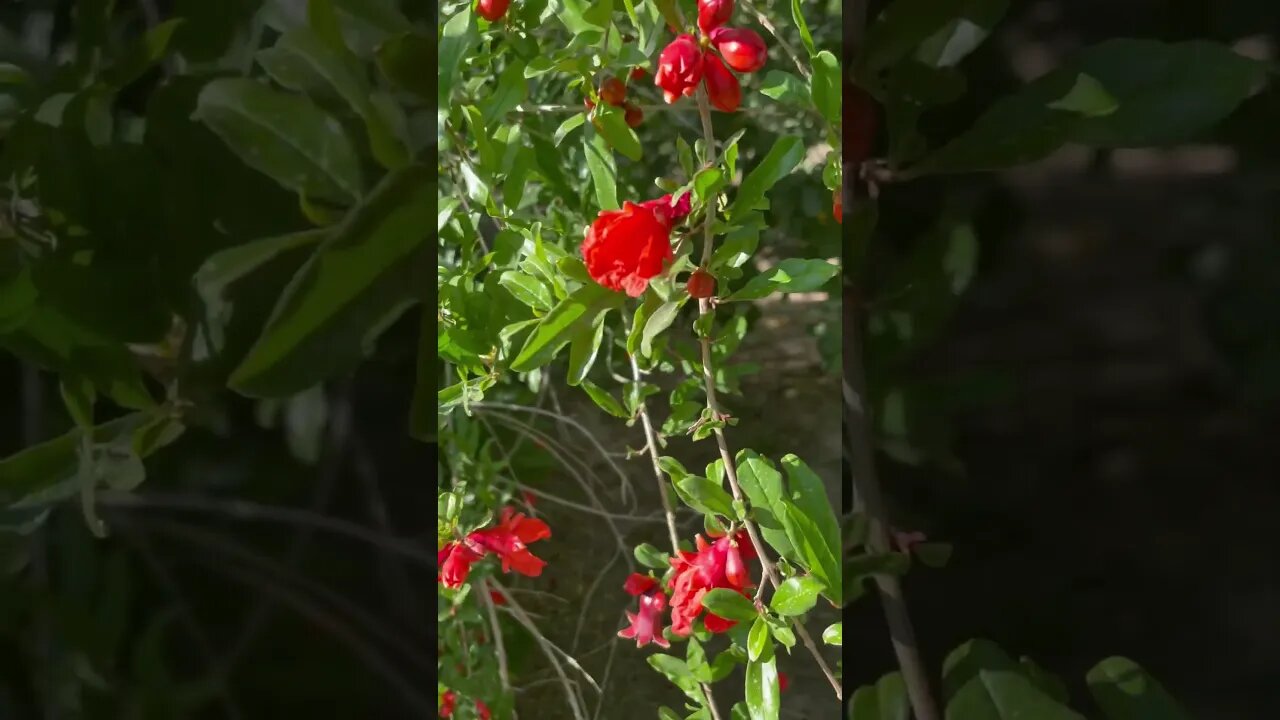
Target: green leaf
x,y
685,155
809,495
652,557
886,700
1166,94
696,660
358,281
834,634
762,689
707,183
457,36
789,276
79,396
582,16
729,604
785,88
402,59
583,349
797,595
805,36
611,123
677,671
570,317
659,321
1087,97
905,25
825,86
527,289
604,170
782,158
511,90
706,496
1006,695
49,472
604,400
568,126
812,550
285,137
346,77
141,55
757,639
1125,691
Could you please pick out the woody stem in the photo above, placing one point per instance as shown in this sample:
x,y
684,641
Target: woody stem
x,y
708,377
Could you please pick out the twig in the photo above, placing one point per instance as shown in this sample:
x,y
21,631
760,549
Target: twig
x,y
708,376
523,618
498,645
767,24
651,444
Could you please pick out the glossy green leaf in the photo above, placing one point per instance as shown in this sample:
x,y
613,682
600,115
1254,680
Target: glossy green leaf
x,y
1125,691
1164,94
785,88
527,289
825,86
781,159
796,595
834,634
706,496
603,168
757,639
611,123
569,317
797,16
659,321
583,349
652,557
358,281
790,275
904,26
763,701
345,76
283,136
812,550
604,399
402,60
457,35
729,604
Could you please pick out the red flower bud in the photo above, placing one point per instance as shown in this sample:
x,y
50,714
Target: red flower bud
x,y
482,710
703,285
638,73
722,86
634,115
713,13
837,207
679,68
613,91
492,10
743,49
734,571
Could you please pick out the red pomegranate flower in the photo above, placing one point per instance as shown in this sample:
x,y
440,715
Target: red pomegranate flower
x,y
509,540
713,13
626,248
722,86
492,10
455,561
679,68
742,49
447,701
717,565
646,625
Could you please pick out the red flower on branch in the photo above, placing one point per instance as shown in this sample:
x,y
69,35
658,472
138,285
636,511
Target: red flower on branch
x,y
447,702
455,561
482,710
626,248
713,13
722,87
646,625
679,68
742,49
509,541
717,565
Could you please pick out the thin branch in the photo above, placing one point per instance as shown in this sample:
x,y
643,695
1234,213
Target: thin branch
x,y
730,469
498,645
523,618
651,444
